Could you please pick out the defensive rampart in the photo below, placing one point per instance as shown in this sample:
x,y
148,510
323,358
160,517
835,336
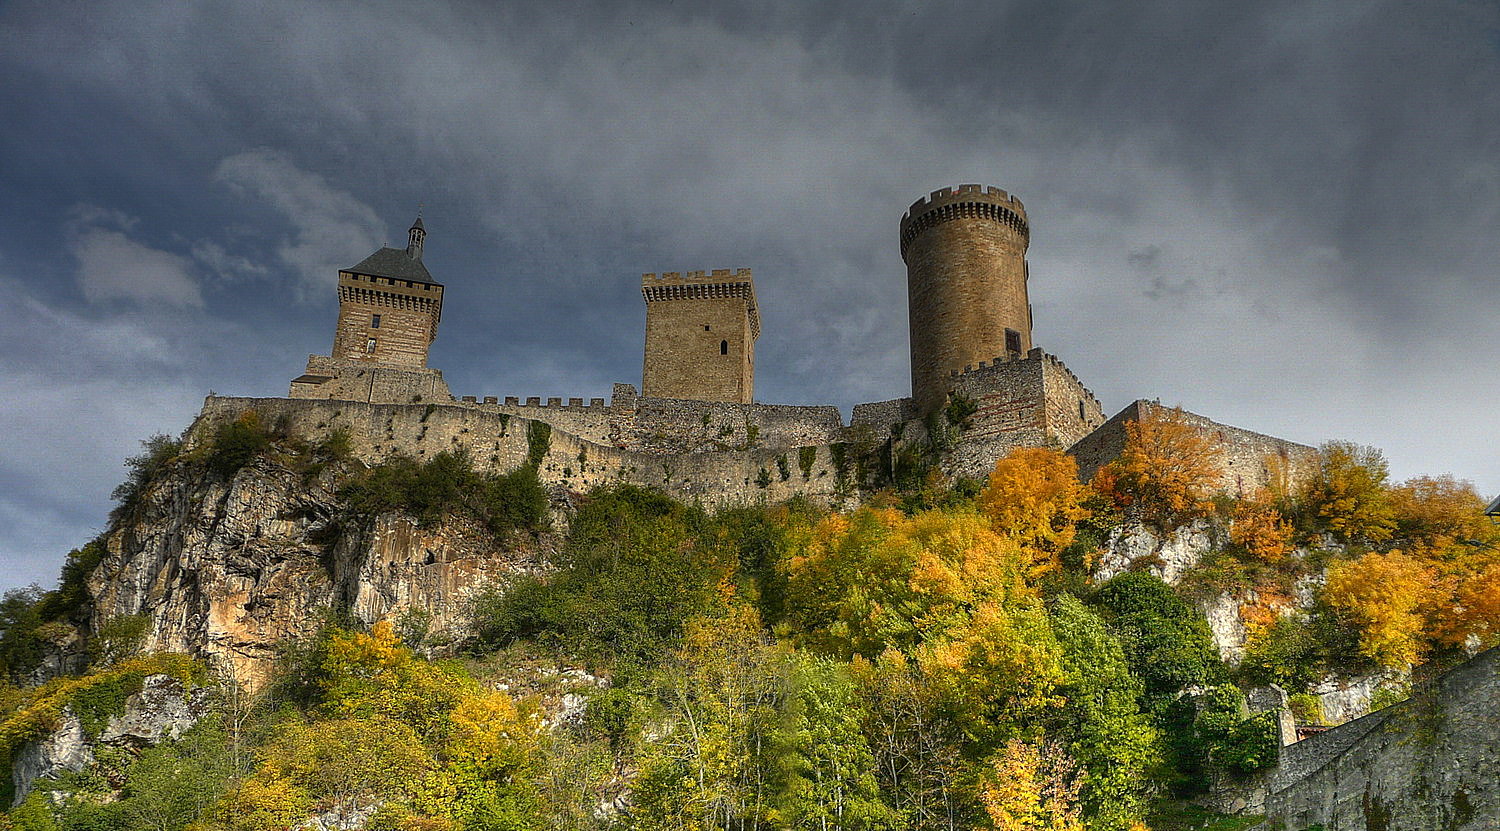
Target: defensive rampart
x,y
501,441
1246,459
1431,762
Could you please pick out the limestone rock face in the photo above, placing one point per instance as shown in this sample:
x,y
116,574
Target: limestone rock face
x,y
65,749
225,570
1135,545
163,710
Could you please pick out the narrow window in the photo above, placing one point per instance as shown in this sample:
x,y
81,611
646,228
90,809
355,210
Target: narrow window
x,y
370,346
374,321
1012,341
723,347
705,327
1081,416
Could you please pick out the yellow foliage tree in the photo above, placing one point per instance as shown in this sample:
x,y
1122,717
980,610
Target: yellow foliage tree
x,y
1166,471
261,803
1031,787
1348,494
1386,597
1433,512
1034,498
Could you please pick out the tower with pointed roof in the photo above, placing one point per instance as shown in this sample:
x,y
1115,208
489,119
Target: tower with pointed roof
x,y
389,307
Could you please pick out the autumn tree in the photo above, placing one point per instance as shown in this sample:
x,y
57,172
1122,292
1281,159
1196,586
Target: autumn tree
x,y
1347,496
1432,513
1260,530
1166,471
1034,498
1383,596
1030,786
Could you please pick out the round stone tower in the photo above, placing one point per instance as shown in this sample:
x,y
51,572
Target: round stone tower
x,y
965,253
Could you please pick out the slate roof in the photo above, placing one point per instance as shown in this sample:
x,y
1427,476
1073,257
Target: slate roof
x,y
394,263
1493,509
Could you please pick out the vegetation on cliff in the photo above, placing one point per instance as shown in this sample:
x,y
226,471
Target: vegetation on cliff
x,y
936,659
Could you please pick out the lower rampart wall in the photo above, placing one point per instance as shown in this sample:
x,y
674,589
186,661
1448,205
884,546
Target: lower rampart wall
x,y
1431,762
497,441
1246,459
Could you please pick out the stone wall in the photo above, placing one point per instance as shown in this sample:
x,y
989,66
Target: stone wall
x,y
332,378
1246,458
1432,762
497,441
1022,402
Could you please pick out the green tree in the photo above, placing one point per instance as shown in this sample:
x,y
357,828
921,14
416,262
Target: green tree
x,y
1116,743
1167,642
824,771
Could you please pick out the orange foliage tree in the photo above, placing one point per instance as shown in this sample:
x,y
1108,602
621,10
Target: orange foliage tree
x,y
1165,473
1034,498
1261,530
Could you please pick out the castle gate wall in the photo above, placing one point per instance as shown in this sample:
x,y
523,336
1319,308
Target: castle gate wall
x,y
1430,762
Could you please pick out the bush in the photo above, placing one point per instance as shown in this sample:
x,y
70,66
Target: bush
x,y
448,484
236,443
21,650
159,451
633,571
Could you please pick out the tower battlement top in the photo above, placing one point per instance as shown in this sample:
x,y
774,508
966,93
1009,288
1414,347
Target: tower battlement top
x,y
963,201
678,278
963,193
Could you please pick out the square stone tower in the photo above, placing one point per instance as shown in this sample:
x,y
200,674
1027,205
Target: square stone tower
x,y
700,335
389,307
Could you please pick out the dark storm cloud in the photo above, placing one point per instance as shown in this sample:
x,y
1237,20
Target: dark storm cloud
x,y
1282,215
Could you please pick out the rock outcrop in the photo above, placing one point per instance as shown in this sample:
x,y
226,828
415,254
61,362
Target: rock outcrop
x,y
162,710
226,570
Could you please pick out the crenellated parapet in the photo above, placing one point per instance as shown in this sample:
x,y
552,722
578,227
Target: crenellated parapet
x,y
972,372
963,201
717,284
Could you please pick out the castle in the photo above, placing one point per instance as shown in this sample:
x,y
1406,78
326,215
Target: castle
x,y
694,427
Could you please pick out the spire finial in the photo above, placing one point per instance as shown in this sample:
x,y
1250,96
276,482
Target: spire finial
x,y
415,235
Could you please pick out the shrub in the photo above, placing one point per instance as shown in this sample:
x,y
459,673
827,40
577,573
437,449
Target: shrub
x,y
158,452
448,484
236,443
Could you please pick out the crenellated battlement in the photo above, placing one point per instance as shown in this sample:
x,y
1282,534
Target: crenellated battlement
x,y
964,201
536,402
1001,362
717,275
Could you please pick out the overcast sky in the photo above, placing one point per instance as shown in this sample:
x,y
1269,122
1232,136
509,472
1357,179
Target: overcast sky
x,y
1284,216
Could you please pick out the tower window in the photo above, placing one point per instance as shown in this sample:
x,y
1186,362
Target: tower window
x,y
705,327
374,321
723,347
1012,341
1081,415
370,346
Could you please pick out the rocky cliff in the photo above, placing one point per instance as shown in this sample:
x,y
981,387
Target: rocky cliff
x,y
226,568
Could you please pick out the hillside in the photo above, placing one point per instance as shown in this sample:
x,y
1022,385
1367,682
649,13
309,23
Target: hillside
x,y
278,630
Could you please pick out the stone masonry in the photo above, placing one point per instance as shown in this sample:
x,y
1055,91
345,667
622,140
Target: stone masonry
x,y
700,335
965,254
695,429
